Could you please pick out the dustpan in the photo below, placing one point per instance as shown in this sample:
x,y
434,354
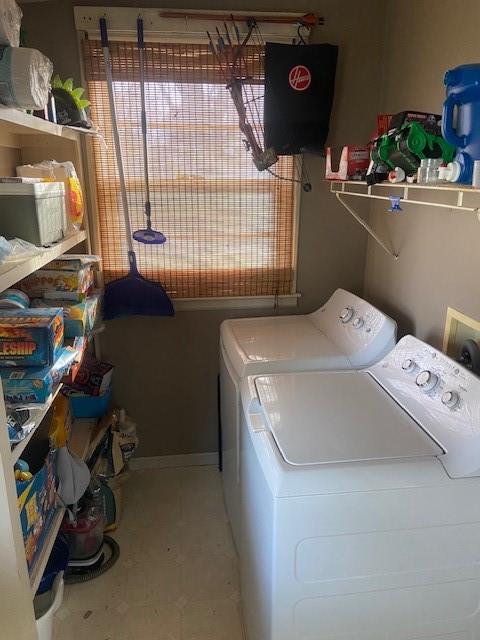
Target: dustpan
x,y
133,294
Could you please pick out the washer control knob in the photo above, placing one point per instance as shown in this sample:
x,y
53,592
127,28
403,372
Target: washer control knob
x,y
346,315
427,380
409,365
450,399
358,323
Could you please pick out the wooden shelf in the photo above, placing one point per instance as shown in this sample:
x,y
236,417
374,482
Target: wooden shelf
x,y
37,415
81,436
12,275
38,568
26,139
18,122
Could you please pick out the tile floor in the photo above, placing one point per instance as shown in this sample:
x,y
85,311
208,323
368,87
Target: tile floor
x,y
177,576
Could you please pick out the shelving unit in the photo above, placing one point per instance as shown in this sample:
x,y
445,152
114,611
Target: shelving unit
x,y
38,568
25,139
37,416
12,275
455,197
14,122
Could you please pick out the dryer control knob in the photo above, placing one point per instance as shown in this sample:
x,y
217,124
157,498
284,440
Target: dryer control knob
x,y
409,365
346,315
450,399
358,323
427,380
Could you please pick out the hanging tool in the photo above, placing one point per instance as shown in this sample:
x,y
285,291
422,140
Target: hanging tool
x,y
132,294
308,20
232,59
148,235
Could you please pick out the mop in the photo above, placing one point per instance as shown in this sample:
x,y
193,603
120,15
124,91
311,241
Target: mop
x,y
133,294
148,235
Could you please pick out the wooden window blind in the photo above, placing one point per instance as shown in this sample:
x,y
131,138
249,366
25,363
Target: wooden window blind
x,y
229,228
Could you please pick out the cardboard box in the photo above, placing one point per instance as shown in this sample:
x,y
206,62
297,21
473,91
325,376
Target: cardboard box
x,y
383,123
79,317
80,344
36,503
350,162
94,377
61,284
74,262
30,337
31,385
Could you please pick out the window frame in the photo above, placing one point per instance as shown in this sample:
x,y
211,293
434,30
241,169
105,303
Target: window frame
x,y
272,302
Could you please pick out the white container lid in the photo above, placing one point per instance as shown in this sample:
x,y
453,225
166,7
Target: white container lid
x,y
322,417
36,189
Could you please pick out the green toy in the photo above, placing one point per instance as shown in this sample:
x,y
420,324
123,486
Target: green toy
x,y
407,146
69,104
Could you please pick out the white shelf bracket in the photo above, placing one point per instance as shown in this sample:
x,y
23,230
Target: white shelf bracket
x,y
366,226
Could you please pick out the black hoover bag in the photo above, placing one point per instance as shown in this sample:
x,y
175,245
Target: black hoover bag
x,y
299,85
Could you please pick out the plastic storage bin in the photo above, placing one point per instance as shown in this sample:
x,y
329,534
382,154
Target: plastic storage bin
x,y
57,563
34,212
85,406
85,536
46,606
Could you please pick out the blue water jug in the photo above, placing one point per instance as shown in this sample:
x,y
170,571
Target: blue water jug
x,y
463,132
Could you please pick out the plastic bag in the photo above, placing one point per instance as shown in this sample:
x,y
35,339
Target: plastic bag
x,y
52,171
5,249
22,250
24,78
73,476
10,22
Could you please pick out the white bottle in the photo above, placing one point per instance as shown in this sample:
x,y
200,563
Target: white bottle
x,y
451,172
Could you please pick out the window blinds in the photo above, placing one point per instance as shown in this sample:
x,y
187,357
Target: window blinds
x,y
229,228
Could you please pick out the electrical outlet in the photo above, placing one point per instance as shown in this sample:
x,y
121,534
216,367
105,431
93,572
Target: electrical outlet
x,y
458,328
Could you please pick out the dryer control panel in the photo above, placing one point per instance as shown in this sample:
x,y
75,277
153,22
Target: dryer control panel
x,y
359,329
441,395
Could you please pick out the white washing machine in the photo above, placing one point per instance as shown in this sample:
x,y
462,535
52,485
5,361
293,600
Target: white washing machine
x,y
346,333
361,501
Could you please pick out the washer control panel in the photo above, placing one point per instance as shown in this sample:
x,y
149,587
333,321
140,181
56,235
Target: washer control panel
x,y
441,395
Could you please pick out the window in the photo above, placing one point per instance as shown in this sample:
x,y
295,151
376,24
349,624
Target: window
x,y
229,228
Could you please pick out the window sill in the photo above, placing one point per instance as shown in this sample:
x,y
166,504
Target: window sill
x,y
238,302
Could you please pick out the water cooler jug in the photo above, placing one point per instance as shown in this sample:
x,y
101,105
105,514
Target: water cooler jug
x,y
461,118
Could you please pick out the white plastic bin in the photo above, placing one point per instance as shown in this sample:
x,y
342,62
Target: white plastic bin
x,y
34,212
46,606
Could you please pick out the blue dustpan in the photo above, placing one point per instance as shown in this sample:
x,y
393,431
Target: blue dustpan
x,y
135,295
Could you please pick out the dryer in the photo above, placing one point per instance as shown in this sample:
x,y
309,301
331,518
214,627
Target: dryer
x,y
361,501
345,333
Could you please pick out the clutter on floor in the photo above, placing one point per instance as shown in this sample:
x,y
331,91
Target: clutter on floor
x,y
181,583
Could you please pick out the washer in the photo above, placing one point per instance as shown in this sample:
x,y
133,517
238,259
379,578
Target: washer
x,y
346,333
361,501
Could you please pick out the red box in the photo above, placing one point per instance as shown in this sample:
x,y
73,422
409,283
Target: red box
x,y
383,123
351,162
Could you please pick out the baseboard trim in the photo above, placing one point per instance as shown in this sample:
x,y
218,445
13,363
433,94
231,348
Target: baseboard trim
x,y
182,460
